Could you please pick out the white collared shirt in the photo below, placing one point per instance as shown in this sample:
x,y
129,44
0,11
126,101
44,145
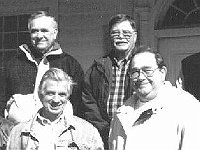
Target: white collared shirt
x,y
173,125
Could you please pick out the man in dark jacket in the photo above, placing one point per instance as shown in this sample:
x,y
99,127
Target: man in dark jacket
x,y
107,81
189,75
23,73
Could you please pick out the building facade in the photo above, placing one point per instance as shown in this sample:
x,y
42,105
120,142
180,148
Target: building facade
x,y
170,26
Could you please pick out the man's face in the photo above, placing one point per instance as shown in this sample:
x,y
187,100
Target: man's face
x,y
123,36
43,33
55,97
146,76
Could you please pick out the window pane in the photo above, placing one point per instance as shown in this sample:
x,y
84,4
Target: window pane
x,y
10,23
24,38
10,41
23,22
1,23
1,46
198,2
185,5
193,18
173,18
1,61
9,55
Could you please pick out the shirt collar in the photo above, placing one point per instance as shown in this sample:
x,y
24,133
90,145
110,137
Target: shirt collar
x,y
55,50
119,63
68,123
43,121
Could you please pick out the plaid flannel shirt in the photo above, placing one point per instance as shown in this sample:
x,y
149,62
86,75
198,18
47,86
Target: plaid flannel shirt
x,y
116,96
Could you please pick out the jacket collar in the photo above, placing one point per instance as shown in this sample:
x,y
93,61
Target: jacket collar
x,y
104,64
128,112
55,50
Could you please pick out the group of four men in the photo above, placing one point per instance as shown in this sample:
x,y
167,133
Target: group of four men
x,y
131,77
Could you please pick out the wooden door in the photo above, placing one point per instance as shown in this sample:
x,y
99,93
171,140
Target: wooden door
x,y
174,45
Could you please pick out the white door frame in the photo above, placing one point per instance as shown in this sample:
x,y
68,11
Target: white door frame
x,y
173,57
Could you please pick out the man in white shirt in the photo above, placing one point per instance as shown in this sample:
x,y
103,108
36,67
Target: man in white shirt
x,y
158,116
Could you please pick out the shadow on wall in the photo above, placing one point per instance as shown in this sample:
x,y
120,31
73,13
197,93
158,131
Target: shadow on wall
x,y
106,40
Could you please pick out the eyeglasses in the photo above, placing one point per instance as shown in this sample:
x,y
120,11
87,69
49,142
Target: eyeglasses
x,y
147,72
126,33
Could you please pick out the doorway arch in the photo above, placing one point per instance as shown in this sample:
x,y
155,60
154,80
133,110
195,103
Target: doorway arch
x,y
174,43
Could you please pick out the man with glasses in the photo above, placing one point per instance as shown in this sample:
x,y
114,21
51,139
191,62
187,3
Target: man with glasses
x,y
107,82
158,116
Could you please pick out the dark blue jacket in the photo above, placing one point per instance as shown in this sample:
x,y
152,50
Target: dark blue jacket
x,y
20,74
97,85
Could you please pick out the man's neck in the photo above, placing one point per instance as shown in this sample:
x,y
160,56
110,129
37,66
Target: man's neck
x,y
36,53
51,117
121,55
139,103
142,100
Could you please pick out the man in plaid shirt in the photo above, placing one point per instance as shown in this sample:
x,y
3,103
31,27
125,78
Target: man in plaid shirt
x,y
107,82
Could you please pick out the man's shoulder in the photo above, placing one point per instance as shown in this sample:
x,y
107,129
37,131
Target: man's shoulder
x,y
103,60
17,60
86,135
183,99
101,64
21,127
66,56
192,58
16,56
82,123
66,59
128,106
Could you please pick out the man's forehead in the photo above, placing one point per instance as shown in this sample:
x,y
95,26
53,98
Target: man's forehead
x,y
55,82
43,22
122,25
144,59
48,84
43,18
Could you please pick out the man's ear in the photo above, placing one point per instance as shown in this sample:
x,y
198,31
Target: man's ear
x,y
135,37
40,95
55,33
164,72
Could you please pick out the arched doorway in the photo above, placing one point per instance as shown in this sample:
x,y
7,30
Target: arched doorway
x,y
177,33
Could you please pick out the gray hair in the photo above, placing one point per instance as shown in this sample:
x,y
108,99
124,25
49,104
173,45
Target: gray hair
x,y
56,74
121,18
42,14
